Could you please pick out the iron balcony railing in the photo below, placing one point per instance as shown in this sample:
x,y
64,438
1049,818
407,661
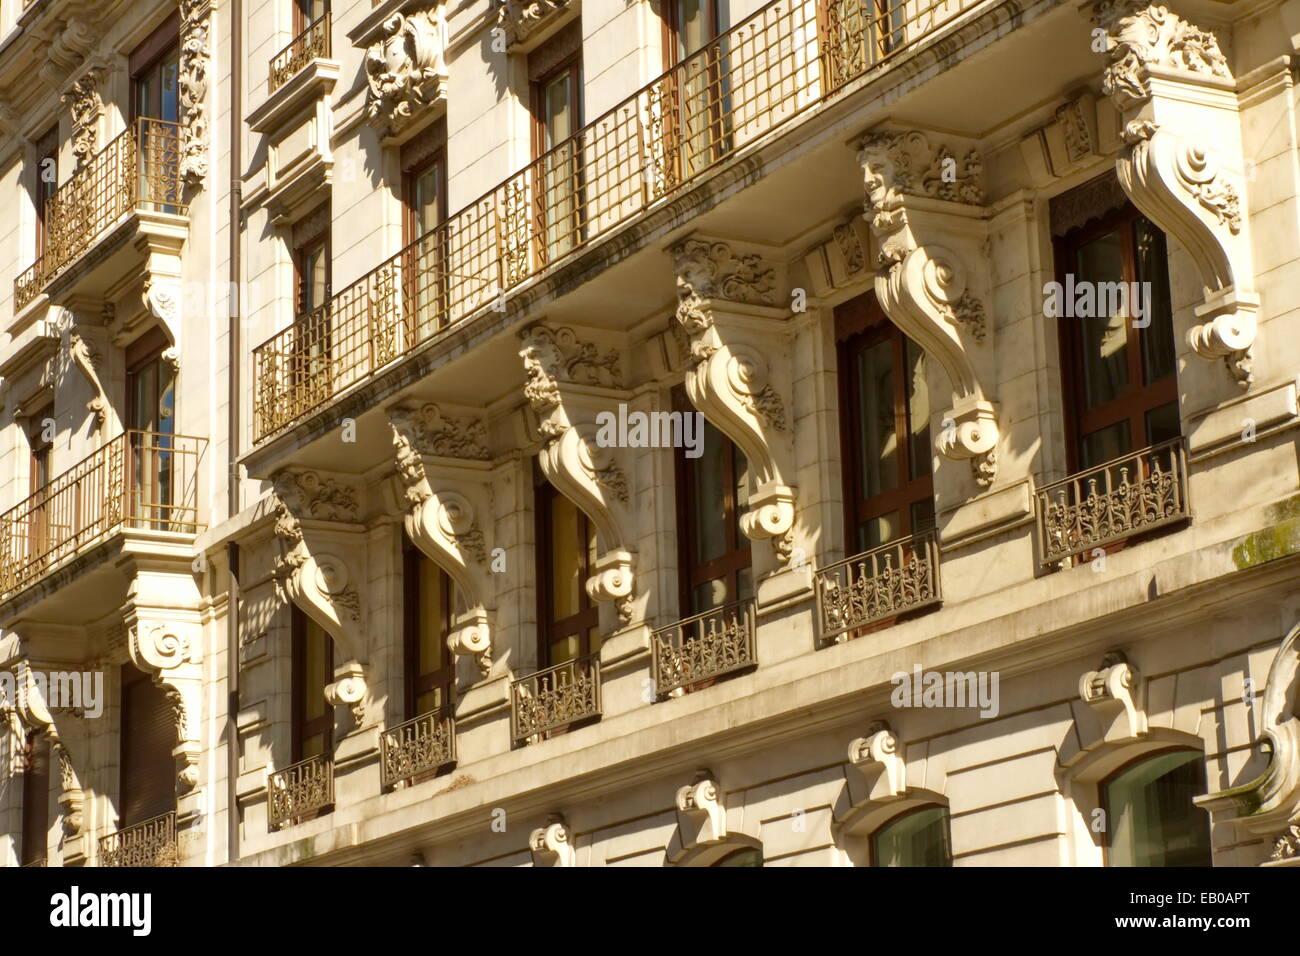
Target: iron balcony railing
x,y
421,746
312,44
554,698
151,843
139,169
703,647
773,66
1114,501
879,584
139,480
298,790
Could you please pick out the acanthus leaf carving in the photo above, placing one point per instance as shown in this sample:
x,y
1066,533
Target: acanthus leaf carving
x,y
521,19
1140,35
87,361
87,106
192,81
406,70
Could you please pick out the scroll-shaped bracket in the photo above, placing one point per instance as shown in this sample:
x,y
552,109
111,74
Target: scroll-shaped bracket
x,y
724,306
927,216
33,711
701,814
447,524
569,383
552,845
172,652
877,757
1116,693
348,689
87,361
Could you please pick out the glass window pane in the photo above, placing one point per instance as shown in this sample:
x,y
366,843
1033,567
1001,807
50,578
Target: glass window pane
x,y
1104,336
565,649
566,559
918,411
692,26
317,669
877,441
1163,424
710,594
742,858
1105,444
922,515
557,119
919,838
878,530
710,517
433,618
1153,272
1153,821
426,199
740,494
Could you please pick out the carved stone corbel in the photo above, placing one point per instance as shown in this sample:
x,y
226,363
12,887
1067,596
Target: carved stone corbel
x,y
87,361
449,453
878,758
725,306
193,81
406,70
317,581
568,383
701,815
552,845
1183,163
161,298
926,213
520,20
35,714
1116,694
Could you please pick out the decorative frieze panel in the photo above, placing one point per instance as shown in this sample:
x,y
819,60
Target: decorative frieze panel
x,y
924,204
1183,163
406,71
843,259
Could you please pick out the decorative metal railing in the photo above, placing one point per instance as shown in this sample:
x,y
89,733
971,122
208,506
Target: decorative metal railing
x,y
1103,505
876,585
312,44
139,480
555,697
423,745
299,789
151,843
773,66
703,647
139,169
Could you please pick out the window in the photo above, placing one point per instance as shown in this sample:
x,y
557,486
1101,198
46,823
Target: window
x,y
430,667
1120,382
148,770
47,184
701,121
36,799
885,428
1151,819
41,441
713,492
745,857
307,12
556,71
156,106
313,345
689,25
566,539
424,193
313,670
312,274
916,838
151,418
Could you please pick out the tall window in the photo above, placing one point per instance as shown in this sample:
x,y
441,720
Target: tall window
x,y
556,71
151,414
1150,817
1120,381
36,799
702,86
307,12
148,770
885,422
156,105
313,670
312,345
569,620
916,838
41,441
430,667
424,192
712,494
47,184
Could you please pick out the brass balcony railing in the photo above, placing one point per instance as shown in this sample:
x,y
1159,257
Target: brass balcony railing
x,y
298,790
786,58
876,585
1114,501
420,746
703,647
139,480
151,843
312,44
555,697
139,169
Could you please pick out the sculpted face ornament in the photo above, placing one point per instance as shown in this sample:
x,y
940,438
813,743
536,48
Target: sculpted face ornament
x,y
406,70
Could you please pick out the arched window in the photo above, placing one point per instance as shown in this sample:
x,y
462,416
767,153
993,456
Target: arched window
x,y
1150,817
916,838
743,857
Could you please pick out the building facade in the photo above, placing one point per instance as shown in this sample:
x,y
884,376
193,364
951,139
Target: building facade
x,y
651,432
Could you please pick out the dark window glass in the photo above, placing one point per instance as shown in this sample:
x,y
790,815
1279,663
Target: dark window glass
x,y
430,668
1151,819
36,799
47,183
570,620
918,838
746,857
313,670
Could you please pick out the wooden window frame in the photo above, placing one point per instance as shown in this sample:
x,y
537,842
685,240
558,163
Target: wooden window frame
x,y
1137,400
412,171
415,683
300,21
47,147
301,727
160,44
860,324
571,64
588,615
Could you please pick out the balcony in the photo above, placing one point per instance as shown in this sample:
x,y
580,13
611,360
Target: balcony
x,y
312,44
772,67
702,648
416,749
151,843
299,791
138,170
1113,502
879,584
140,480
555,698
